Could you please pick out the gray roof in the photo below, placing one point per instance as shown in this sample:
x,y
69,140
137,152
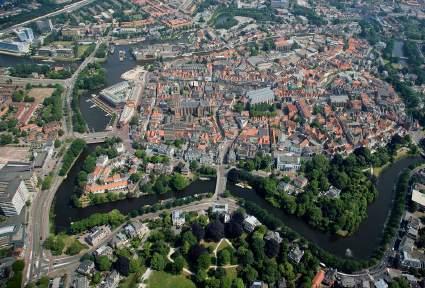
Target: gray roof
x,y
11,176
260,95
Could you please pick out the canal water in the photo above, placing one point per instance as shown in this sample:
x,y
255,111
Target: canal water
x,y
362,243
96,118
65,212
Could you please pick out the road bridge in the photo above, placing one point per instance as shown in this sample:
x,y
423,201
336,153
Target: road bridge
x,y
95,137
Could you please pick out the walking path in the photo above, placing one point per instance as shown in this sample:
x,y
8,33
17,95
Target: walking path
x,y
145,277
187,271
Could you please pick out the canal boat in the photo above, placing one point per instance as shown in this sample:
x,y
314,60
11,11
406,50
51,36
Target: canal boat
x,y
112,49
122,55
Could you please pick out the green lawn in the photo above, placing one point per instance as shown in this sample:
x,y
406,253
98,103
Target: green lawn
x,y
223,244
232,273
165,280
131,280
82,49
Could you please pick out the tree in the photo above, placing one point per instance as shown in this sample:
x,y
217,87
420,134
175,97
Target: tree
x,y
271,248
134,265
178,265
198,231
257,247
135,177
223,257
157,262
245,256
238,283
249,274
194,165
270,272
18,265
123,265
204,261
103,263
214,231
179,182
233,229
195,252
97,277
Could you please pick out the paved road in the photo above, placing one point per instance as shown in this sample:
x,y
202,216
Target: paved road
x,y
66,264
66,9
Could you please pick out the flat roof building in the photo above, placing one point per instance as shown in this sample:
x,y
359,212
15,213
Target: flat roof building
x,y
16,182
264,95
117,95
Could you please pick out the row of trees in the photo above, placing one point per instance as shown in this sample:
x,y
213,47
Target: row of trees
x,y
166,183
26,70
52,106
73,151
113,218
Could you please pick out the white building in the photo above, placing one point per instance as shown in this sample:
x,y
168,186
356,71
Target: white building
x,y
178,218
250,223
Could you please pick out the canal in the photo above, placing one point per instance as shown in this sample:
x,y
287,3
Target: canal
x,y
97,119
363,242
65,212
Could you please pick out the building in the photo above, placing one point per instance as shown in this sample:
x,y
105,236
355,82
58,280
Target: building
x,y
111,281
13,46
97,234
250,223
44,26
81,282
12,232
419,198
273,235
86,267
117,95
17,180
279,4
296,254
25,35
381,284
288,162
259,284
318,279
178,218
264,95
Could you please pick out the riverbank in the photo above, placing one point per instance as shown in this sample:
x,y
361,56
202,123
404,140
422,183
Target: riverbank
x,y
65,212
377,262
363,243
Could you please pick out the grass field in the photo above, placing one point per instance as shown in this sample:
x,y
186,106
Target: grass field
x,y
40,93
62,43
165,280
131,280
223,244
82,49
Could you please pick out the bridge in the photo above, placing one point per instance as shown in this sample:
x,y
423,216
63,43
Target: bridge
x,y
95,137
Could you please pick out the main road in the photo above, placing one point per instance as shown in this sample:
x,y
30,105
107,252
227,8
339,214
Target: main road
x,y
66,9
38,225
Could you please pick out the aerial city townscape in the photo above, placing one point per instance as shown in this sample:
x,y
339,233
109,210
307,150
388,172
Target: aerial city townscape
x,y
212,143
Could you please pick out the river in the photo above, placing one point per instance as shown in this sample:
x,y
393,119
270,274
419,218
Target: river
x,y
65,212
367,238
